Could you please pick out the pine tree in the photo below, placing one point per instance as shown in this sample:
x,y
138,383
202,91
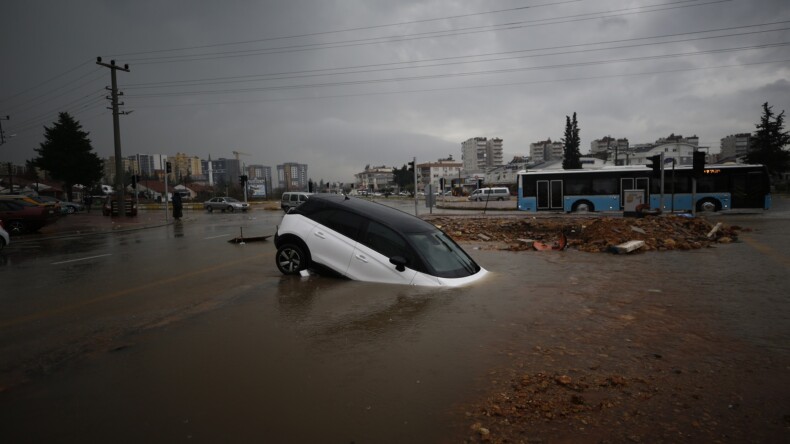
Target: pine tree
x,y
67,154
571,158
768,142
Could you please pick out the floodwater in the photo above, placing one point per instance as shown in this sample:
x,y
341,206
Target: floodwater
x,y
318,359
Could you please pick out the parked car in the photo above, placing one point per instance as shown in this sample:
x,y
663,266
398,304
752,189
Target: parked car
x,y
20,216
65,206
35,200
293,199
225,204
110,207
368,241
496,193
5,239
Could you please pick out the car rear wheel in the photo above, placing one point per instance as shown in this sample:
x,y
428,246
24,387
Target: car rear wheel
x,y
210,209
291,259
16,227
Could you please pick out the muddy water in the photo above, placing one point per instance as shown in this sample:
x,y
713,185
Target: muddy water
x,y
324,360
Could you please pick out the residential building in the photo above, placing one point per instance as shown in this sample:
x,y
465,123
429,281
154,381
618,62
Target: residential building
x,y
431,172
610,147
479,154
149,163
735,146
292,176
375,178
186,168
682,152
222,171
546,150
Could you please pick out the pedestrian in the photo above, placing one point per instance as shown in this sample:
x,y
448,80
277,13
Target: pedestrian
x,y
177,206
88,200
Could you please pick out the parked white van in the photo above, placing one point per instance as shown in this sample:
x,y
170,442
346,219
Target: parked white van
x,y
496,193
293,199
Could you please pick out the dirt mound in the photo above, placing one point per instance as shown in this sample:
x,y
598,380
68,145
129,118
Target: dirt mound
x,y
587,234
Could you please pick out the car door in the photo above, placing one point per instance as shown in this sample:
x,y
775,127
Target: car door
x,y
371,258
332,239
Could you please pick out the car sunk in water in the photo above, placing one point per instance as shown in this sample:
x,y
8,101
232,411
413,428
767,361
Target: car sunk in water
x,y
368,241
225,204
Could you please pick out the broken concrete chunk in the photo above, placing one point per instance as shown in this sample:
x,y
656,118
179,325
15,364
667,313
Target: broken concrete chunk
x,y
637,229
483,237
628,247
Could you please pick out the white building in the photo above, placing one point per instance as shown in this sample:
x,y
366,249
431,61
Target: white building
x,y
431,172
375,178
546,150
680,151
479,154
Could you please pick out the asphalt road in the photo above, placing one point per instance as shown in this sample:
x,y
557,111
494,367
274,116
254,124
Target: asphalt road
x,y
172,333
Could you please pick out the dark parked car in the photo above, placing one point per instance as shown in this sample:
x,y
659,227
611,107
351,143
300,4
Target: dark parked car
x,y
368,241
110,207
20,216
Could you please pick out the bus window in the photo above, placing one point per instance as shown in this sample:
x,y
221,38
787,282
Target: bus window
x,y
578,185
528,187
605,185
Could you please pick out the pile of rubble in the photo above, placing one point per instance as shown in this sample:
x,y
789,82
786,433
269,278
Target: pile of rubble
x,y
587,234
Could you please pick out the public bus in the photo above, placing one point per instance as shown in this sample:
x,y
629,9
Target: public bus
x,y
720,187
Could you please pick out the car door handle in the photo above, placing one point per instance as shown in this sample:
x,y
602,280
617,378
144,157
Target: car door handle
x,y
361,257
320,234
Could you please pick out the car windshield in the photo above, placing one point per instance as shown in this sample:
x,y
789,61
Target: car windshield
x,y
446,258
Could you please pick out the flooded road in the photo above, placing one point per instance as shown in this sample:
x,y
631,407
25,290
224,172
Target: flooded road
x,y
218,346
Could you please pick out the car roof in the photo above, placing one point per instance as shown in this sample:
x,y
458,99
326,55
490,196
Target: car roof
x,y
383,214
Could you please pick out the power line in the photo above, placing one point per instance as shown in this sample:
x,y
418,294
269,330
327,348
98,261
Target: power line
x,y
361,28
45,82
418,36
454,88
323,71
462,74
35,100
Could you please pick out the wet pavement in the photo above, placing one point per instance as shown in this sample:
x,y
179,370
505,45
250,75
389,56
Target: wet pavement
x,y
221,347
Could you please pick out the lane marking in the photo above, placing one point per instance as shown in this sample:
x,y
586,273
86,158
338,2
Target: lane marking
x,y
81,259
767,250
126,292
214,237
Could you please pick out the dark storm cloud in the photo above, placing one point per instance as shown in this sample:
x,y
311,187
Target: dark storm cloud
x,y
337,128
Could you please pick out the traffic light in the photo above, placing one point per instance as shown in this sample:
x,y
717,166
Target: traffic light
x,y
310,185
242,180
655,163
479,183
168,168
411,167
134,181
441,184
699,163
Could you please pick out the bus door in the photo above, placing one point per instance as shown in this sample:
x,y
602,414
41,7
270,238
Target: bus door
x,y
749,190
550,195
634,183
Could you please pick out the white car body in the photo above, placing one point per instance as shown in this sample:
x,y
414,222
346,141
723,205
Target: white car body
x,y
430,258
5,239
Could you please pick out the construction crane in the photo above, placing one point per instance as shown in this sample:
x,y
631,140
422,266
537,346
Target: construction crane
x,y
237,153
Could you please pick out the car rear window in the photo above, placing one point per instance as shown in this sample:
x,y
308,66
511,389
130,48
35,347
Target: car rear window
x,y
344,222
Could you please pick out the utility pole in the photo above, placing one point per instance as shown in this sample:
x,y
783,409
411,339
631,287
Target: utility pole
x,y
2,134
119,188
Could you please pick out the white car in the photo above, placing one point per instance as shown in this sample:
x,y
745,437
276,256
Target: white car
x,y
225,204
5,239
368,241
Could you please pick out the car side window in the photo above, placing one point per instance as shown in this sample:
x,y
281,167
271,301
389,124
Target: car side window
x,y
294,197
345,223
387,242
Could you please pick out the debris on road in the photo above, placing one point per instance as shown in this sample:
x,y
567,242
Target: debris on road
x,y
520,233
628,247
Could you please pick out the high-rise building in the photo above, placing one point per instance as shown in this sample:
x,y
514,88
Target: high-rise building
x,y
546,150
292,176
736,145
479,154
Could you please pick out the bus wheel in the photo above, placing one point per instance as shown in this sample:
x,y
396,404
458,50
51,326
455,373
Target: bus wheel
x,y
708,205
583,206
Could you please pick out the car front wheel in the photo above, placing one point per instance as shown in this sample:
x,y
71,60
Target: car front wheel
x,y
230,208
291,259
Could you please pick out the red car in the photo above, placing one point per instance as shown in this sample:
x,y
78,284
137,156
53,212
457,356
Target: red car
x,y
21,217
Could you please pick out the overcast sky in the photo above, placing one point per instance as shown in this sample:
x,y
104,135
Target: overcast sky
x,y
339,84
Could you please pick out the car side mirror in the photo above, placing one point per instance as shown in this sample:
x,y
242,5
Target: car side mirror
x,y
399,262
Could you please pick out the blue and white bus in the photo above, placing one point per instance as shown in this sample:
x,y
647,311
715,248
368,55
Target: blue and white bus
x,y
721,187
